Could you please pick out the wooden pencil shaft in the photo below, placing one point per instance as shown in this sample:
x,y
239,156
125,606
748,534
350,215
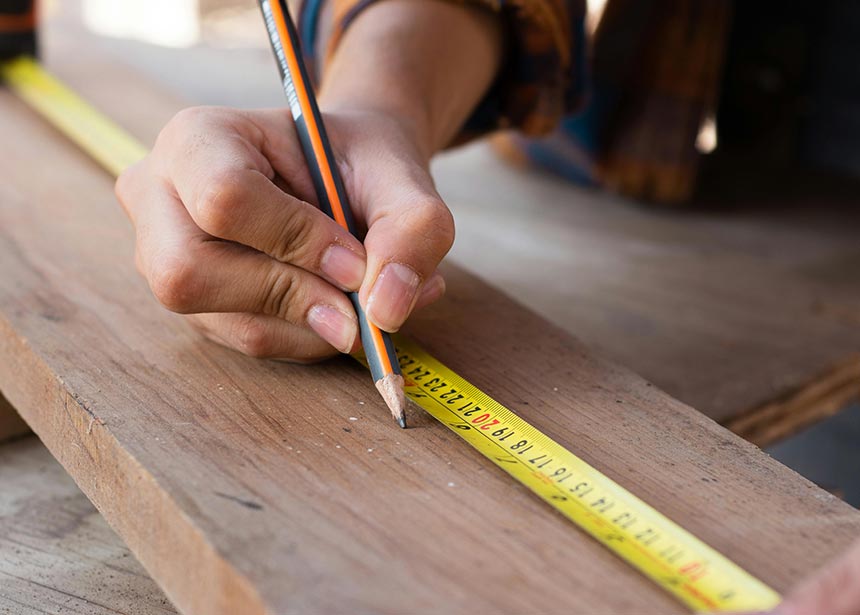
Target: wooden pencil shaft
x,y
379,348
295,79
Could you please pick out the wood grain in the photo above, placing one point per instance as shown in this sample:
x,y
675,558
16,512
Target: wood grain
x,y
261,487
820,398
57,554
747,299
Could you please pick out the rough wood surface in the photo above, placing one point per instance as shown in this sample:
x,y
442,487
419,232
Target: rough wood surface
x,y
11,425
748,299
260,487
57,554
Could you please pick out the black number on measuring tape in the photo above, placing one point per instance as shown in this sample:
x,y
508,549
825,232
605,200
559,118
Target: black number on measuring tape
x,y
581,489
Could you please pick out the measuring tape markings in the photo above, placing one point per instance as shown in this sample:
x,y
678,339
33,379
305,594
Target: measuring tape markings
x,y
674,559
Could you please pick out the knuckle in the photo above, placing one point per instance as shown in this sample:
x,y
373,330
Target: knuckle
x,y
295,238
218,206
123,184
127,185
433,222
253,339
280,294
190,116
179,125
444,223
174,281
187,132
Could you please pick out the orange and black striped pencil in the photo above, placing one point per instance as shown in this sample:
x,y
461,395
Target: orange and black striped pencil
x,y
378,346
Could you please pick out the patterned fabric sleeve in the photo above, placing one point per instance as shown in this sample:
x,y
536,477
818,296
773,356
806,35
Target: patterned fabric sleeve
x,y
541,78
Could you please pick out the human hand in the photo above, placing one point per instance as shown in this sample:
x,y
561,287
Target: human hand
x,y
228,232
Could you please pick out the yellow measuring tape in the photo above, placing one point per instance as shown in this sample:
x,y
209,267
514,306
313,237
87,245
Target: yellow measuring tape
x,y
107,143
677,561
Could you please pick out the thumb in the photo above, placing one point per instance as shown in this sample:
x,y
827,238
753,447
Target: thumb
x,y
410,229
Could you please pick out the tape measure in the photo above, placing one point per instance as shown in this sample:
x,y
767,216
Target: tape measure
x,y
674,559
98,136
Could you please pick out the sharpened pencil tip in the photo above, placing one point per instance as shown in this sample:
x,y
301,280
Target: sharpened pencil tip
x,y
391,389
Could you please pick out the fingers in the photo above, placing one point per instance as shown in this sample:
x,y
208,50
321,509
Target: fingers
x,y
246,207
226,230
264,337
227,188
410,231
190,272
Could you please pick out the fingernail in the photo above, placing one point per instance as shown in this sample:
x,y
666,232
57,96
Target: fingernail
x,y
392,296
343,266
333,326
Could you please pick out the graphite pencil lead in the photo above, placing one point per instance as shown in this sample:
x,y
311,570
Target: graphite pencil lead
x,y
390,387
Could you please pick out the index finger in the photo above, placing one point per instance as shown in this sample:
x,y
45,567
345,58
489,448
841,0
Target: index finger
x,y
226,184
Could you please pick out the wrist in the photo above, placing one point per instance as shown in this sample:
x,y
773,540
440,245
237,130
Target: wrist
x,y
412,123
424,63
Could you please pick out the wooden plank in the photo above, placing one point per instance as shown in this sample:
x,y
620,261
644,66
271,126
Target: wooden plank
x,y
213,466
747,306
823,397
11,425
57,554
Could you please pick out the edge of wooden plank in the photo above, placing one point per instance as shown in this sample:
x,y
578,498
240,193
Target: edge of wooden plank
x,y
818,399
54,413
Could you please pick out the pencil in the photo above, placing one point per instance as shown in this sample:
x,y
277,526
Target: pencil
x,y
378,347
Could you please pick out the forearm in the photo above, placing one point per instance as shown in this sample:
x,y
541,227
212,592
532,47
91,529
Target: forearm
x,y
426,62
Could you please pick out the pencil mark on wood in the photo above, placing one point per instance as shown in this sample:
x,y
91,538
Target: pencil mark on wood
x,y
246,503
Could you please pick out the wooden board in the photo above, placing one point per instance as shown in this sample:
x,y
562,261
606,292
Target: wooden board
x,y
57,554
745,307
261,487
